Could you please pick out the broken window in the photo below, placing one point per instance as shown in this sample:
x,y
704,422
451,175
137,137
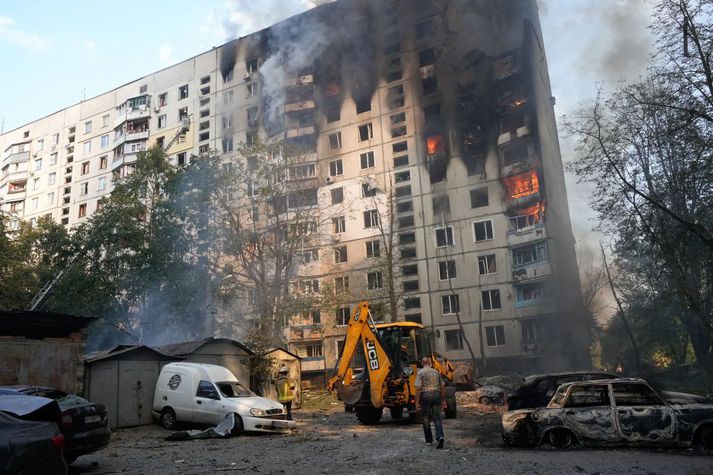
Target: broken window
x,y
432,115
393,69
525,255
341,284
404,207
490,299
429,85
367,190
426,57
401,161
479,197
337,195
532,293
339,225
521,185
251,66
371,218
363,104
182,112
426,28
509,125
372,249
483,230
450,304
374,281
252,115
335,140
505,67
409,270
401,177
487,264
447,270
632,395
366,132
398,118
412,302
309,255
402,191
515,155
367,160
522,218
454,339
340,254
333,112
251,89
398,131
530,331
410,286
405,222
302,198
336,168
407,238
396,97
441,204
444,236
392,49
342,318
495,335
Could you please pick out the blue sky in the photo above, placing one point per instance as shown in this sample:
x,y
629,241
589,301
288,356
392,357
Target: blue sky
x,y
54,53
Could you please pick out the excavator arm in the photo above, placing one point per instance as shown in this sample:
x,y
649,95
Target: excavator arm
x,y
361,328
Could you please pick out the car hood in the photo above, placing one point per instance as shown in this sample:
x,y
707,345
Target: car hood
x,y
512,418
255,402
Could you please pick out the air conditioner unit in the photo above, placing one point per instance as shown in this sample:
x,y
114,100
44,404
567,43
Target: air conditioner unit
x,y
157,109
328,179
34,154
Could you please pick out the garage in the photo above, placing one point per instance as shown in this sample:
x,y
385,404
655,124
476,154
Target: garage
x,y
124,379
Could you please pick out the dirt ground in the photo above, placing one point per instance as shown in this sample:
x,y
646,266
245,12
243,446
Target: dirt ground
x,y
328,440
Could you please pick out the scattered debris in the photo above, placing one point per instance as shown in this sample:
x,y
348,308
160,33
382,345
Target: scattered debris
x,y
222,430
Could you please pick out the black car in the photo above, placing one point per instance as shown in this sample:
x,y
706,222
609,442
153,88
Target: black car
x,y
30,447
610,412
84,424
539,388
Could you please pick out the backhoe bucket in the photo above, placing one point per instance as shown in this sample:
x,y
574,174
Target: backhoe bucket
x,y
350,394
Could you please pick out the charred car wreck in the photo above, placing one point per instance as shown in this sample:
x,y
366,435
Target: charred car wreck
x,y
623,411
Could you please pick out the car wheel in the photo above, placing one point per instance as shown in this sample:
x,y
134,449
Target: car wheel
x,y
705,439
168,418
560,438
238,427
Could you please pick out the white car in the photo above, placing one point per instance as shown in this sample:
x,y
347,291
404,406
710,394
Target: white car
x,y
204,394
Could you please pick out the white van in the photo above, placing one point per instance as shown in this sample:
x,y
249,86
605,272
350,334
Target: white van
x,y
205,393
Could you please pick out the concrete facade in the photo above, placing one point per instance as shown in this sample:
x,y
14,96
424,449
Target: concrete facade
x,y
444,105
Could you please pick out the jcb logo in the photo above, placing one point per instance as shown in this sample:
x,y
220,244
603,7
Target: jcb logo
x,y
371,354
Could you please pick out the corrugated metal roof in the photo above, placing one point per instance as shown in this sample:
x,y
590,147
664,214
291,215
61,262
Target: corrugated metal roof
x,y
123,349
188,347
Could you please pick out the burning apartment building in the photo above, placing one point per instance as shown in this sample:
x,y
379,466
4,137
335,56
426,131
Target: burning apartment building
x,y
442,108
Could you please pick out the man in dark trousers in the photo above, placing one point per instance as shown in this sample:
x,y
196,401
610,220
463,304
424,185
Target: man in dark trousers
x,y
285,389
430,398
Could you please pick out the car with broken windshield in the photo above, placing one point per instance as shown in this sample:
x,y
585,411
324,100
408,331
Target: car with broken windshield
x,y
623,411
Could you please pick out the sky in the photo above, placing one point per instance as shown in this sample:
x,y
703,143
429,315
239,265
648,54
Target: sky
x,y
55,53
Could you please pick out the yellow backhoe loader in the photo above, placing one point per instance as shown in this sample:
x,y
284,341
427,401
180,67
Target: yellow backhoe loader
x,y
384,373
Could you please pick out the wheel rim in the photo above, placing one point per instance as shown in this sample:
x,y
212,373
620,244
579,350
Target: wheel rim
x,y
168,419
560,439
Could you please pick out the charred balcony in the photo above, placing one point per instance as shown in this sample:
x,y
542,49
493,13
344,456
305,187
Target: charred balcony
x,y
513,127
517,157
522,190
510,95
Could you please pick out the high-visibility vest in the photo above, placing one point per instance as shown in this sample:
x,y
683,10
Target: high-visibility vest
x,y
284,390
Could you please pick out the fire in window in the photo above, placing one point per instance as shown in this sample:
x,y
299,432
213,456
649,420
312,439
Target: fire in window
x,y
435,144
523,184
525,217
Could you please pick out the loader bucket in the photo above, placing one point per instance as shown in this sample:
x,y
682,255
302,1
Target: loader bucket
x,y
350,394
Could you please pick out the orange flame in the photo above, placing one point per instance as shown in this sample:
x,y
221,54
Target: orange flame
x,y
537,211
434,144
523,184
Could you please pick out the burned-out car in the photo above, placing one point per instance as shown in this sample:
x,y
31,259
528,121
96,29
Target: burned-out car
x,y
623,411
538,389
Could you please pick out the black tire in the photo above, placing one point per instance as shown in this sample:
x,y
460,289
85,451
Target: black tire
x,y
704,439
369,415
397,412
451,410
238,427
168,418
560,438
348,408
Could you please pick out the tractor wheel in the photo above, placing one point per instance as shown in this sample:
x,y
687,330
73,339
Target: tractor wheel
x,y
451,410
397,412
369,415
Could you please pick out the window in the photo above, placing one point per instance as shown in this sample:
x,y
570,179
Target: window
x,y
88,127
228,97
314,317
251,66
409,270
309,286
251,89
444,236
402,177
82,210
529,254
404,207
204,136
426,29
51,178
495,335
402,191
426,57
101,184
207,390
182,112
252,114
373,280
35,184
454,339
398,131
105,120
55,139
394,70
410,285
401,161
162,121
228,76
333,112
366,132
450,304
50,199
342,316
367,160
368,190
309,255
339,225
530,331
181,159
479,198
447,270
441,204
483,230
371,218
363,104
84,188
53,159
591,395
38,164
486,264
372,249
407,238
406,221
341,284
532,293
340,254
490,299
412,302
337,195
87,146
162,99
227,144
336,168
632,395
313,351
227,122
335,140
183,92
34,202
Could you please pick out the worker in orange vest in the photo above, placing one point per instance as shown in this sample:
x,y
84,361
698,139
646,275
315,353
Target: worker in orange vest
x,y
285,389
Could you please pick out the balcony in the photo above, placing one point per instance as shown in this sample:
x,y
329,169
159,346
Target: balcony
x,y
132,110
16,187
535,308
299,131
306,332
312,363
299,106
531,271
522,191
527,235
509,136
304,80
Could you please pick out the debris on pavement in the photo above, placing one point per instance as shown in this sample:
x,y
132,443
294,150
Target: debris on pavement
x,y
222,430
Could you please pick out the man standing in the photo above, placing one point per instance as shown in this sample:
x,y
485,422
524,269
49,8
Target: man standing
x,y
430,397
284,391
